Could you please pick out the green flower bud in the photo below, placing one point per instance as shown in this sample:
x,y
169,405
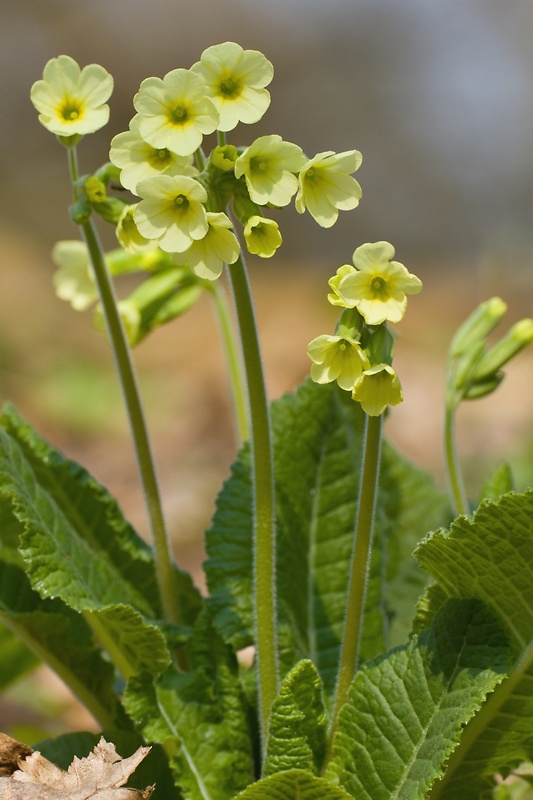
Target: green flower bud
x,y
224,157
350,325
482,388
80,211
380,348
478,325
95,190
515,340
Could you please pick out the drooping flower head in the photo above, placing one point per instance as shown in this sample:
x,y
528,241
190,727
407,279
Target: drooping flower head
x,y
376,388
378,286
325,186
70,101
337,358
128,234
138,160
174,112
262,236
171,210
207,256
235,81
74,280
268,166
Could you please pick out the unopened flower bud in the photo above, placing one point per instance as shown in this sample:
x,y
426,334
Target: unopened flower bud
x,y
515,340
478,325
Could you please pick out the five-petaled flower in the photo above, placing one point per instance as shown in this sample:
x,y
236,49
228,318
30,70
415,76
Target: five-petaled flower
x,y
268,166
207,256
174,111
376,388
325,186
262,236
171,210
70,101
337,358
138,160
235,80
378,286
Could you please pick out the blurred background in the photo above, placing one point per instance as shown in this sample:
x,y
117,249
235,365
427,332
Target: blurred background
x,y
438,96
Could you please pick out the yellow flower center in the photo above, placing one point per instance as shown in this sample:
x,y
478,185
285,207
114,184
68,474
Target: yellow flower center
x,y
70,111
179,115
229,88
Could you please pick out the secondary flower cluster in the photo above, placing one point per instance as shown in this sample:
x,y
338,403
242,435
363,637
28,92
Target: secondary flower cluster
x,y
184,196
359,356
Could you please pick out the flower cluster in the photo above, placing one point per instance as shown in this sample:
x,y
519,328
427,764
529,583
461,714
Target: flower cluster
x,y
359,357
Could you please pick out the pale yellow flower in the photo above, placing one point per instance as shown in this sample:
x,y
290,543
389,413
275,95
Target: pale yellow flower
x,y
207,256
336,358
128,234
378,286
268,166
235,81
138,160
71,101
174,112
171,211
262,236
325,186
74,280
376,388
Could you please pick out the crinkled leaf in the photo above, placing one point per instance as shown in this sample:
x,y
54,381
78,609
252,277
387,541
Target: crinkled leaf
x,y
491,557
406,710
76,546
200,717
317,441
298,723
294,784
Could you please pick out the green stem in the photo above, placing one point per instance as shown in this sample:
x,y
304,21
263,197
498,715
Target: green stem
x,y
360,562
166,575
264,555
455,479
238,388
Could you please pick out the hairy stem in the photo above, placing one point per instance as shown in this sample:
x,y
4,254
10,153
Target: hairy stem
x,y
360,562
264,555
165,571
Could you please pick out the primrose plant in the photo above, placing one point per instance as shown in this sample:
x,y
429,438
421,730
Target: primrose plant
x,y
376,674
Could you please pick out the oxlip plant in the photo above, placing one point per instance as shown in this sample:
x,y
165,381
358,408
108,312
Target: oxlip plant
x,y
377,673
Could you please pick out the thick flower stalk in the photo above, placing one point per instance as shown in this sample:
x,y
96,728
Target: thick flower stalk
x,y
72,101
234,81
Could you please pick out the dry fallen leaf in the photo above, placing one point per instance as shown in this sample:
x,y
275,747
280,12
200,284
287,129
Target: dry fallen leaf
x,y
11,754
100,776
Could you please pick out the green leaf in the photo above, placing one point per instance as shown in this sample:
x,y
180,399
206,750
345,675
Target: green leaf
x,y
294,784
76,546
15,658
298,723
406,710
317,444
200,717
490,557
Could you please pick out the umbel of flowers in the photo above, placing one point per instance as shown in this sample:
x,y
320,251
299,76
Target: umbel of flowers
x,y
359,357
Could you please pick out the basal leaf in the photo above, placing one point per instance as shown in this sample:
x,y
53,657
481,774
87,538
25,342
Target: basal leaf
x,y
201,718
294,784
298,723
317,441
491,557
406,710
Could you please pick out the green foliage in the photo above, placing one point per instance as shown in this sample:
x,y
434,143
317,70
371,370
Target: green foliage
x,y
406,709
294,784
320,432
